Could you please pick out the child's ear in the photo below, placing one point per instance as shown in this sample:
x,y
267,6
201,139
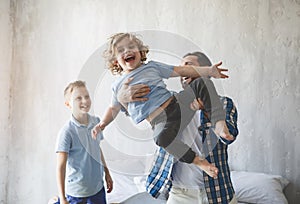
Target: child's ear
x,y
116,64
143,56
67,103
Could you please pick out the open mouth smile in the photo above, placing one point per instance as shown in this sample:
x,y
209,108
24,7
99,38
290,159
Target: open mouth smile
x,y
129,58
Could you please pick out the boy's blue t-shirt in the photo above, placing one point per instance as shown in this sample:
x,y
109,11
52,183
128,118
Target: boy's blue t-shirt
x,y
151,74
84,172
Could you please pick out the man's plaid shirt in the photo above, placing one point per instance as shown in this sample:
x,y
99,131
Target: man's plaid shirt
x,y
219,190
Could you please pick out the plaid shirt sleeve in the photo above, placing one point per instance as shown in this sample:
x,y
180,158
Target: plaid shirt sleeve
x,y
159,177
219,190
230,119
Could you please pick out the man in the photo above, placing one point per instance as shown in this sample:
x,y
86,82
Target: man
x,y
189,184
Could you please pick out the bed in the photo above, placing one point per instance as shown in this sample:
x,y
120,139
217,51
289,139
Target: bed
x,y
250,187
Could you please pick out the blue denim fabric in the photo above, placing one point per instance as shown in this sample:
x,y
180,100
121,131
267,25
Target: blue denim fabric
x,y
99,198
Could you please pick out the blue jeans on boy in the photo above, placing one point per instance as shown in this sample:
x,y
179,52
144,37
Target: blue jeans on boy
x,y
99,198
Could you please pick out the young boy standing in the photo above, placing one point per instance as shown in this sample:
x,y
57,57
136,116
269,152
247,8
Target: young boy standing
x,y
80,162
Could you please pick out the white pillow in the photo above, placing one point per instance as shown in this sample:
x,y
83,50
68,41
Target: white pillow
x,y
251,187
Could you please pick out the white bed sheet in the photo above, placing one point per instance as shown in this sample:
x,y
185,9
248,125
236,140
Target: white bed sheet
x,y
250,187
129,178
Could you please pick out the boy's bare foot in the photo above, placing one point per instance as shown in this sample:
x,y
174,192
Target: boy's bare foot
x,y
207,167
221,130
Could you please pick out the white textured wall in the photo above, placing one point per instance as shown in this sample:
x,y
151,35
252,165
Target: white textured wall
x,y
5,65
52,40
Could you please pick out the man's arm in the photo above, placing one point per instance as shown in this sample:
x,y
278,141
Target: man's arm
x,y
60,175
130,93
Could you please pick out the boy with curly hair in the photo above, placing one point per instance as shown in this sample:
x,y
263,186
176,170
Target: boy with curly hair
x,y
167,114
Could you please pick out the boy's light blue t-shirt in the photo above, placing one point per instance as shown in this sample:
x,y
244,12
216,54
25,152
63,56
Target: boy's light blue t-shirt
x,y
151,74
84,172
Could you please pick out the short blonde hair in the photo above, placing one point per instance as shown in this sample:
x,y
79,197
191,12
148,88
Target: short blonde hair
x,y
110,55
70,88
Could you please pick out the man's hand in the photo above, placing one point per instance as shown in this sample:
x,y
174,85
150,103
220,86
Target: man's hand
x,y
132,93
216,72
197,104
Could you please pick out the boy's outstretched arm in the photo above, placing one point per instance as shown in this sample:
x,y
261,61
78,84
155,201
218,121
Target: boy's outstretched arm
x,y
108,179
60,176
195,71
108,117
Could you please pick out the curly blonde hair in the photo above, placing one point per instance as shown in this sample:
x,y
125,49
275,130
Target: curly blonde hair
x,y
110,55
